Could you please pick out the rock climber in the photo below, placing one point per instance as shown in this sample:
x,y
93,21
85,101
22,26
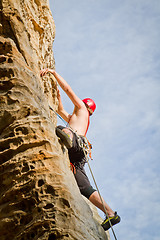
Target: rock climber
x,y
78,123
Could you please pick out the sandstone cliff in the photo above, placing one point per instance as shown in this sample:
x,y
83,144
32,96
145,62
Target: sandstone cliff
x,y
39,198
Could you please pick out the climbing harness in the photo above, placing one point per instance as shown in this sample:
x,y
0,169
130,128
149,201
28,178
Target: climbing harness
x,y
86,146
73,168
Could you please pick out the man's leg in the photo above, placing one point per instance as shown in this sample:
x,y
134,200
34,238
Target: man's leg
x,y
96,200
65,135
89,192
113,217
68,132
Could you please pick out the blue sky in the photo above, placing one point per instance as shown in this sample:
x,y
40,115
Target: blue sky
x,y
109,51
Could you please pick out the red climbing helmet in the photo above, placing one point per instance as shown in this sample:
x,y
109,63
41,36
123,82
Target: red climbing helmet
x,y
90,103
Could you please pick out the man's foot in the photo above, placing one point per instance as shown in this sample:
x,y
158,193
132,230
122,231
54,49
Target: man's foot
x,y
114,220
64,137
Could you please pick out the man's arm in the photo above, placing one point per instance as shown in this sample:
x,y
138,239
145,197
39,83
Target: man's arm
x,y
61,111
65,86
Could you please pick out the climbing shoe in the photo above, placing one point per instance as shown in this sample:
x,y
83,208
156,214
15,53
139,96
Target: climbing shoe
x,y
114,220
66,140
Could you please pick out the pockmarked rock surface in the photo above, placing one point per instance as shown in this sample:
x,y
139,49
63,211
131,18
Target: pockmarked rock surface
x,y
39,198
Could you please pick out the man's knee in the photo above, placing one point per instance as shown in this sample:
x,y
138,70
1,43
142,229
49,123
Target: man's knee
x,y
87,192
60,127
68,132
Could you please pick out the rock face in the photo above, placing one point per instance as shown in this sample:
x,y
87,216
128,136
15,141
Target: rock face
x,y
39,198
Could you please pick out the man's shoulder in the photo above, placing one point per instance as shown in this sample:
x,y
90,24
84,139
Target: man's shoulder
x,y
80,112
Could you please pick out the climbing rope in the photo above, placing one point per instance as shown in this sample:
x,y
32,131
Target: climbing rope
x,y
58,115
87,158
86,146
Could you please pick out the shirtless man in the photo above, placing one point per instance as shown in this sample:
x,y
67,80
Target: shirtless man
x,y
79,123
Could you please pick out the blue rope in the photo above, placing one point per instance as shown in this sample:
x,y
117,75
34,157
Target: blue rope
x,y
58,115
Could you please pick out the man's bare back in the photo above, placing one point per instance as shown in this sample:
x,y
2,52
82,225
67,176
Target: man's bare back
x,y
79,120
